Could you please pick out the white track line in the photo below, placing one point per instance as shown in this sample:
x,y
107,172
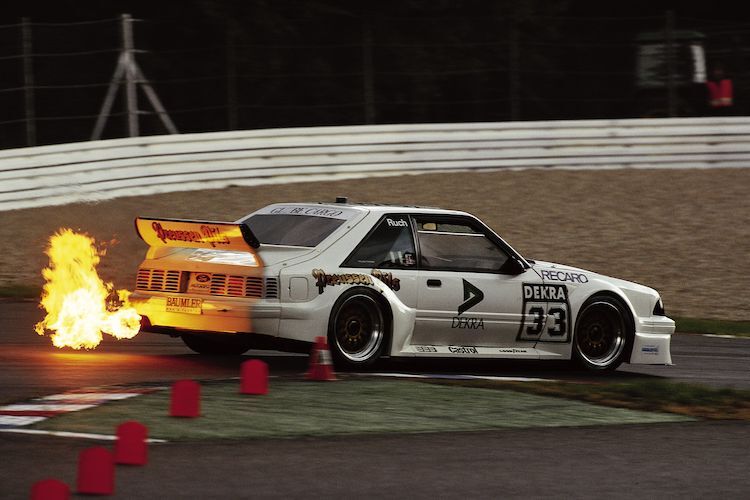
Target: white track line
x,y
82,435
85,396
19,420
44,407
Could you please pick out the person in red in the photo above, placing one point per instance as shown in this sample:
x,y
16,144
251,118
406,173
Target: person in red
x,y
720,93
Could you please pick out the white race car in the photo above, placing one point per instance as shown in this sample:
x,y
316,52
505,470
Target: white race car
x,y
380,280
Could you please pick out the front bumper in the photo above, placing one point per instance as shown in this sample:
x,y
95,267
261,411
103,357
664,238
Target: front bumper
x,y
218,314
651,345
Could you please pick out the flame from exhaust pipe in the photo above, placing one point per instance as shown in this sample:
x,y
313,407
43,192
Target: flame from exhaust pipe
x,y
80,306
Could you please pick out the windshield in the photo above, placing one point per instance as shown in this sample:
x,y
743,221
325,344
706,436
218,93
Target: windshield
x,y
293,230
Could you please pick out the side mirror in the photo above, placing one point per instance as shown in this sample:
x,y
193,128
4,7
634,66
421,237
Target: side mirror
x,y
512,266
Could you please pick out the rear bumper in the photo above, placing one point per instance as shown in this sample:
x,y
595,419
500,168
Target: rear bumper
x,y
218,314
651,345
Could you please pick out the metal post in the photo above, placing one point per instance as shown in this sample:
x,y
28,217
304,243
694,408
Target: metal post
x,y
109,100
28,82
131,91
671,94
514,77
127,69
368,85
155,102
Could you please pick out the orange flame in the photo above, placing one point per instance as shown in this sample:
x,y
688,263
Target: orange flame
x,y
80,306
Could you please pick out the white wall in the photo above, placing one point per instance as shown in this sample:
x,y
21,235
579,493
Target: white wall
x,y
89,171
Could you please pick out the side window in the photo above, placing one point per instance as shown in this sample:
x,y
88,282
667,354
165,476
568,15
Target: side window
x,y
390,245
457,246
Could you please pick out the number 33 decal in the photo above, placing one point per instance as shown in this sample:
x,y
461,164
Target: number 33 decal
x,y
545,316
557,328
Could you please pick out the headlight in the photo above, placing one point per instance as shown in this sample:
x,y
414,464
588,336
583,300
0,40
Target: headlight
x,y
659,308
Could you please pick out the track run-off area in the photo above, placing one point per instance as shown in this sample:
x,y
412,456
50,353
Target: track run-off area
x,y
674,230
652,457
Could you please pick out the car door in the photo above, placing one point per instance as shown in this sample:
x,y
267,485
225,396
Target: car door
x,y
388,253
469,290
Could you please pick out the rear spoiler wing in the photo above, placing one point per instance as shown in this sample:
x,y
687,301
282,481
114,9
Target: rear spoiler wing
x,y
196,234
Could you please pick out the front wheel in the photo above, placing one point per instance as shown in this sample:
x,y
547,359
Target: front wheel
x,y
603,334
357,329
217,344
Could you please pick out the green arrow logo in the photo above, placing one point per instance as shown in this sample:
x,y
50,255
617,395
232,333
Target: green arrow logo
x,y
472,297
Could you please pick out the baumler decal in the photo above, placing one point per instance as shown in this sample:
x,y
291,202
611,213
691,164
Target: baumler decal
x,y
387,278
472,297
324,280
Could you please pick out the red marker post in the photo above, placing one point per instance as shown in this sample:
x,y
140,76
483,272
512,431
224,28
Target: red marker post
x,y
186,399
254,377
131,447
96,472
50,489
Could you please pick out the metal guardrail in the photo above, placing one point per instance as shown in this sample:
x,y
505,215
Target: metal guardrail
x,y
91,171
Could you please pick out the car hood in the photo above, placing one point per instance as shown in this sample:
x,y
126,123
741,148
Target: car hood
x,y
552,271
642,297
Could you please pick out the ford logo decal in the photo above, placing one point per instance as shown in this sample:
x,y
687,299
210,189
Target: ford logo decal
x,y
202,278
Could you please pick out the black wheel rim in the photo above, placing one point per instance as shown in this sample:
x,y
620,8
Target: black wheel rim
x,y
358,328
601,335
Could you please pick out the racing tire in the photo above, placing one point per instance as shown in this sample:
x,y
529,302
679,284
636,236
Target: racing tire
x,y
216,344
358,329
604,334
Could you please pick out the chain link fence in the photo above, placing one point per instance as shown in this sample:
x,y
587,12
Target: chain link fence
x,y
249,69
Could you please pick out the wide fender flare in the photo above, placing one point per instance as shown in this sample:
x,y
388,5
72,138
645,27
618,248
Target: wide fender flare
x,y
597,286
403,317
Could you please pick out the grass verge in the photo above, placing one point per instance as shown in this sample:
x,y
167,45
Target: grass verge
x,y
354,405
719,327
648,395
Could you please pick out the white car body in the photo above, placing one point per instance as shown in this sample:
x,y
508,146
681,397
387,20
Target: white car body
x,y
289,292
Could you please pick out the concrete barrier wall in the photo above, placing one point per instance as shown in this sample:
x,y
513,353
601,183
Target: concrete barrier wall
x,y
90,171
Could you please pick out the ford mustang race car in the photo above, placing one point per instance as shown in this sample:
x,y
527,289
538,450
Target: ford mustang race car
x,y
381,280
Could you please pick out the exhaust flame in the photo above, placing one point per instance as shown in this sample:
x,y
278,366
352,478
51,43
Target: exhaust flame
x,y
80,306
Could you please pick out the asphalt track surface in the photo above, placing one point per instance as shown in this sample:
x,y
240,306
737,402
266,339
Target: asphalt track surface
x,y
664,460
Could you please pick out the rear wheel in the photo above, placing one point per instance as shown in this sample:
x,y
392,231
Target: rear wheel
x,y
604,334
217,344
357,329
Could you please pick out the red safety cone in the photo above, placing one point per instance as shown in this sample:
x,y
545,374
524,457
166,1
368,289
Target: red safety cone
x,y
131,447
313,368
186,399
50,489
321,365
96,472
254,377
